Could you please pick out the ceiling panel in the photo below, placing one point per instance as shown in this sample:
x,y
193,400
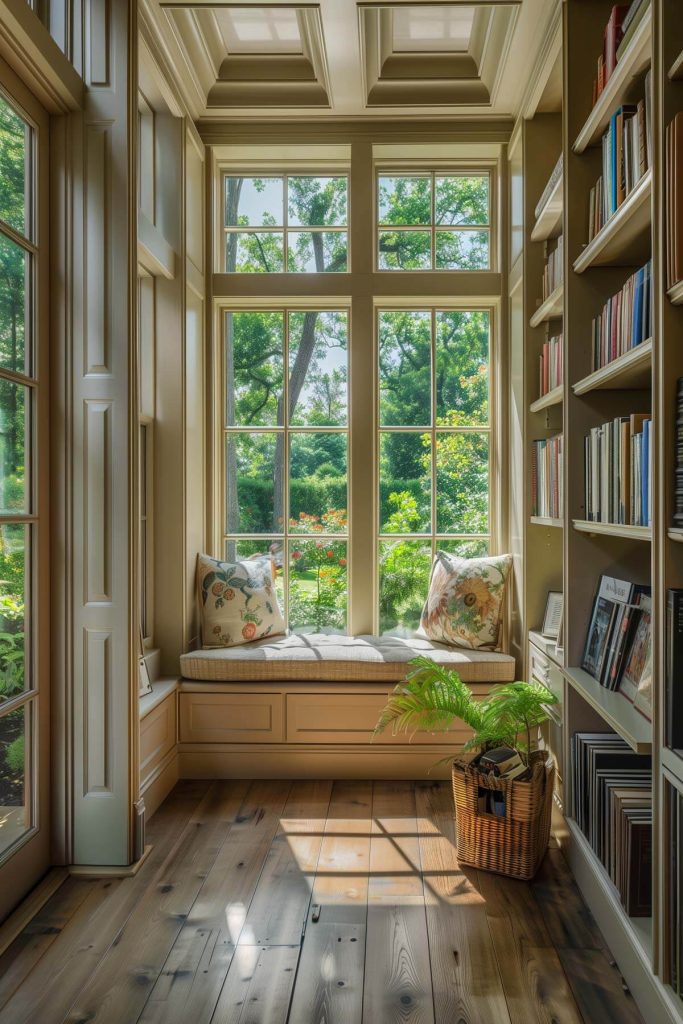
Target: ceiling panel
x,y
432,29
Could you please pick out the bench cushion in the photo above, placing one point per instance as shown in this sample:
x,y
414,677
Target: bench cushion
x,y
320,657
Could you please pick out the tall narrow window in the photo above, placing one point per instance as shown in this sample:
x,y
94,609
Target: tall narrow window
x,y
18,486
433,221
290,223
286,455
146,547
433,450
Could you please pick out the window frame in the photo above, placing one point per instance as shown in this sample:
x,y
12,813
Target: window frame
x,y
362,290
146,513
435,169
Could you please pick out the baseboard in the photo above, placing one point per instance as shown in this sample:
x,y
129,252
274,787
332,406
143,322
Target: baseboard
x,y
109,870
159,783
288,761
30,906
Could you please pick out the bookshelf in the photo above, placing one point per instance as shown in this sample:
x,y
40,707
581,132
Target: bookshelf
x,y
549,221
571,553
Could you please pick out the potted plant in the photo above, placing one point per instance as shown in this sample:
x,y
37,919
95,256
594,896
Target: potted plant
x,y
511,840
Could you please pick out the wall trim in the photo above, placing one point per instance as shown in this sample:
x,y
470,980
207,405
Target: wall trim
x,y
32,53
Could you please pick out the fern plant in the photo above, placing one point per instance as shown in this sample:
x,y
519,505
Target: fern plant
x,y
433,696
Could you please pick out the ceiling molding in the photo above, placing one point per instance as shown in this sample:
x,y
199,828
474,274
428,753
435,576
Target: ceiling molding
x,y
548,52
33,55
328,129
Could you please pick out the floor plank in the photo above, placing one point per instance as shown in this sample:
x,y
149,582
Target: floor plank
x,y
258,986
329,984
597,987
465,977
397,987
198,961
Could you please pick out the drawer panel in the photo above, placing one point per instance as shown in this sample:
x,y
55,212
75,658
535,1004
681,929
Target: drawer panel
x,y
539,665
157,734
231,718
351,718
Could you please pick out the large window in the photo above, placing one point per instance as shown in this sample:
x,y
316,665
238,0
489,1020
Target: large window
x,y
291,224
286,455
18,485
433,221
357,414
433,448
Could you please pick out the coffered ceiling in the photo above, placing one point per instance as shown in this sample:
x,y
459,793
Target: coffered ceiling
x,y
345,59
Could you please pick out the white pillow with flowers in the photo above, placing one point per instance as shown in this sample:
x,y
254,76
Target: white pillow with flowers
x,y
464,606
237,601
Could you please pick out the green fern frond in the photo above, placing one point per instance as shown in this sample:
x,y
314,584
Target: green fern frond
x,y
430,699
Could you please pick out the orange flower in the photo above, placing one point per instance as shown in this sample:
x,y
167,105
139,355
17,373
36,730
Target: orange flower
x,y
330,554
342,561
249,631
296,555
475,594
217,589
228,593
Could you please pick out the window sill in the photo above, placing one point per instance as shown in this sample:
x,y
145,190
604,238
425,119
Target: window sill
x,y
160,691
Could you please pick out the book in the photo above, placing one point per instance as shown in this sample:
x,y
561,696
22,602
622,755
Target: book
x,y
611,629
617,471
673,680
638,666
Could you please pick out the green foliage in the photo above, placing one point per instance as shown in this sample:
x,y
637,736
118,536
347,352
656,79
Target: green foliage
x,y
15,755
433,696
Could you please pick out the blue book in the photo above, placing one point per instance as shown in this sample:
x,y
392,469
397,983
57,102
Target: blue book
x,y
644,475
637,316
613,162
647,301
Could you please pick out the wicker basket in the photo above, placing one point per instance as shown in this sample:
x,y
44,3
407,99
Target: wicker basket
x,y
512,845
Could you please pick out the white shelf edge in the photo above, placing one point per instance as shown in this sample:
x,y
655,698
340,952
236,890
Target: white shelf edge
x,y
554,397
551,308
633,62
550,217
643,533
160,691
675,533
546,521
675,293
610,374
618,224
613,707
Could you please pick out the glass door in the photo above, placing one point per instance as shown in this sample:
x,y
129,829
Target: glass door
x,y
24,576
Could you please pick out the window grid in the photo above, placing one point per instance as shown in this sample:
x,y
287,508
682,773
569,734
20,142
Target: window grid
x,y
284,229
287,537
433,228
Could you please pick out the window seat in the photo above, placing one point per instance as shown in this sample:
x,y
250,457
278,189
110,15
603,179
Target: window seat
x,y
300,707
320,657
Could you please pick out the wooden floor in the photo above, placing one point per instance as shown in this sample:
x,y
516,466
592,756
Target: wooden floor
x,y
312,902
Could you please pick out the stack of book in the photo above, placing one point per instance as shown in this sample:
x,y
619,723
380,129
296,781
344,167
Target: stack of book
x,y
607,61
673,680
612,805
675,846
674,205
618,471
678,451
626,156
550,365
552,182
553,273
547,478
625,320
618,650
632,20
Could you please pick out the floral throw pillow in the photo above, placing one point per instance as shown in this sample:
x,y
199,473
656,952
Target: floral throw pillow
x,y
465,601
237,601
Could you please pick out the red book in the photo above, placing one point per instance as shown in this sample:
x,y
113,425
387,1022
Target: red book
x,y
613,34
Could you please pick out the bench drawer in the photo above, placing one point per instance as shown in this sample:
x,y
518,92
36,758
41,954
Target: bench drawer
x,y
231,718
351,718
157,735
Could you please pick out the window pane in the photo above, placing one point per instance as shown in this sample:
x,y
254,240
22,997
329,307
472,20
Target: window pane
x,y
14,143
462,483
317,483
462,368
462,199
254,483
405,369
462,250
405,250
316,252
405,200
317,201
464,548
255,253
318,356
317,586
14,406
404,568
14,582
14,354
405,482
257,202
254,360
267,547
14,759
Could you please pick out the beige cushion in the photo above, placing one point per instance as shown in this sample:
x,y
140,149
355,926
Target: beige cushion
x,y
320,657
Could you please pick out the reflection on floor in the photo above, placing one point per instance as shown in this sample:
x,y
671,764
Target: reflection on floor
x,y
312,902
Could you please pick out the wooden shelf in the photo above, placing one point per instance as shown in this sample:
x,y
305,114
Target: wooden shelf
x,y
553,397
549,221
619,88
676,70
618,712
551,309
675,293
620,241
632,370
614,530
675,533
546,521
160,690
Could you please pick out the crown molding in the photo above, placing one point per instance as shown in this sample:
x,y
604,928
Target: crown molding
x,y
548,52
31,52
